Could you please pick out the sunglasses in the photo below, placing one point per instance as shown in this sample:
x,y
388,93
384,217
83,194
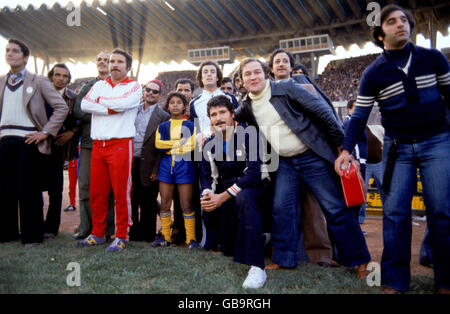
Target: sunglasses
x,y
153,91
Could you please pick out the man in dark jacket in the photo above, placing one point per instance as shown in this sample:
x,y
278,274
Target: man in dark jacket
x,y
303,130
317,244
233,191
146,160
64,148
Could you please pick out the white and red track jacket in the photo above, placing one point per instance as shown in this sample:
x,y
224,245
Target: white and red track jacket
x,y
113,107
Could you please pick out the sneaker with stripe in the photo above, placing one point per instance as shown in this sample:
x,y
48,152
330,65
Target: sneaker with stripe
x,y
91,240
117,245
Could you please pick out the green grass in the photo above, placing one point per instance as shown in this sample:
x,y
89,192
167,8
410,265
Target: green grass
x,y
143,269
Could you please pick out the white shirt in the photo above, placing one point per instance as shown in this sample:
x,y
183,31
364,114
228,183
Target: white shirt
x,y
200,108
103,98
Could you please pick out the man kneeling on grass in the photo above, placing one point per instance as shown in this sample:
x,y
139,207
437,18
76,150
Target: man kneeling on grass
x,y
233,191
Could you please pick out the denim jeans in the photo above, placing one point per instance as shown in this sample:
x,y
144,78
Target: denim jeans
x,y
314,172
425,255
374,171
431,156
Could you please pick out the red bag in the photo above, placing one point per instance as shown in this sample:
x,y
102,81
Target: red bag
x,y
353,185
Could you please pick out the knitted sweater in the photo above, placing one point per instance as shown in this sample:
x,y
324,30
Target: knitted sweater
x,y
412,99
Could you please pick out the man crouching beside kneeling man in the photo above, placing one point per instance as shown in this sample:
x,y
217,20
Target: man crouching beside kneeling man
x,y
233,191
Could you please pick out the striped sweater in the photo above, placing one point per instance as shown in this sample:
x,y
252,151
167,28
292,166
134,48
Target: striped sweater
x,y
411,99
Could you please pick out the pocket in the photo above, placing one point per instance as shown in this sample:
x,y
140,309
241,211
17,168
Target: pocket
x,y
429,94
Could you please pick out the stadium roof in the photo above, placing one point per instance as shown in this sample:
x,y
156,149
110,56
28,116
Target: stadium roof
x,y
163,30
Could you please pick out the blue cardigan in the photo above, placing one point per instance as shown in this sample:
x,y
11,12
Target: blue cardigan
x,y
412,104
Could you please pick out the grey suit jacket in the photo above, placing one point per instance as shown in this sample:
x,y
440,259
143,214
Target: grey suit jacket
x,y
37,90
151,157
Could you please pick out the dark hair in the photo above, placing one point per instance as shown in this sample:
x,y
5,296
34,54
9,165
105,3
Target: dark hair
x,y
24,48
175,94
235,75
278,51
58,65
220,101
125,54
218,71
300,66
249,60
185,81
227,80
377,31
351,103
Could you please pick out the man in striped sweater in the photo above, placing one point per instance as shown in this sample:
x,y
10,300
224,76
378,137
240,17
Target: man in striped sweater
x,y
114,104
412,88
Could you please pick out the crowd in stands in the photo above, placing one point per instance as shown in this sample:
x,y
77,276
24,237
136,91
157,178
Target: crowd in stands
x,y
340,80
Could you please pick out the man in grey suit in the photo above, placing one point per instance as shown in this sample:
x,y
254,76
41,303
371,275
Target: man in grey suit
x,y
146,160
24,136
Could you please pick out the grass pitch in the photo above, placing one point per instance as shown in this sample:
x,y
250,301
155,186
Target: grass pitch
x,y
146,270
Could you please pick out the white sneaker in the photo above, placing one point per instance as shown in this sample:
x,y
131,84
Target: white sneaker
x,y
255,279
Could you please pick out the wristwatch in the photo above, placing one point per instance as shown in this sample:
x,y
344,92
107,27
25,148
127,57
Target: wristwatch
x,y
44,132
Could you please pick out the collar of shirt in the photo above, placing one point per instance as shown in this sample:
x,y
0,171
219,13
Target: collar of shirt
x,y
142,108
217,92
14,78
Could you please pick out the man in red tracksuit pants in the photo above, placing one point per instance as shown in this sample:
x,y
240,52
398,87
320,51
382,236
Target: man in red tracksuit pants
x,y
113,103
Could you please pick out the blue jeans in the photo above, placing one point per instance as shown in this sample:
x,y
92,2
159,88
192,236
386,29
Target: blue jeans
x,y
374,171
318,175
431,156
425,255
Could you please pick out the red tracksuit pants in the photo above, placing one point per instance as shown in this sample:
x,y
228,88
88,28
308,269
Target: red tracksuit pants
x,y
73,176
111,163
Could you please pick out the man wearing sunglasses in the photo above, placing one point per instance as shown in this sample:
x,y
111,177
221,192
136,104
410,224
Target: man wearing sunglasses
x,y
146,159
153,92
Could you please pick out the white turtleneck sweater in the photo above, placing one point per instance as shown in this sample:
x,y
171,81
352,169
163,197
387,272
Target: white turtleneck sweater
x,y
275,130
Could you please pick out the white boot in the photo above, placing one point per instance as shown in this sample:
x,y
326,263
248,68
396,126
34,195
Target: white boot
x,y
255,279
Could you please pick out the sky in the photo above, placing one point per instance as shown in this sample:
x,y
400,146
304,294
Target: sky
x,y
150,71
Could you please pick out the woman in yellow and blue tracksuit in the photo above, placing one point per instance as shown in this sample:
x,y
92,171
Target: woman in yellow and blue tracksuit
x,y
176,137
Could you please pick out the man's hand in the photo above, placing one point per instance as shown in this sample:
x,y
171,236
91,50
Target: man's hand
x,y
35,138
63,138
210,201
153,177
342,162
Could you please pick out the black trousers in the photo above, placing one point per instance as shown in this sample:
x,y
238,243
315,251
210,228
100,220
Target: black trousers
x,y
144,207
237,226
20,188
54,167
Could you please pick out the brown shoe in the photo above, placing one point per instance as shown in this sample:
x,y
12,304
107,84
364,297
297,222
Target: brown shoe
x,y
362,271
273,266
443,291
389,290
